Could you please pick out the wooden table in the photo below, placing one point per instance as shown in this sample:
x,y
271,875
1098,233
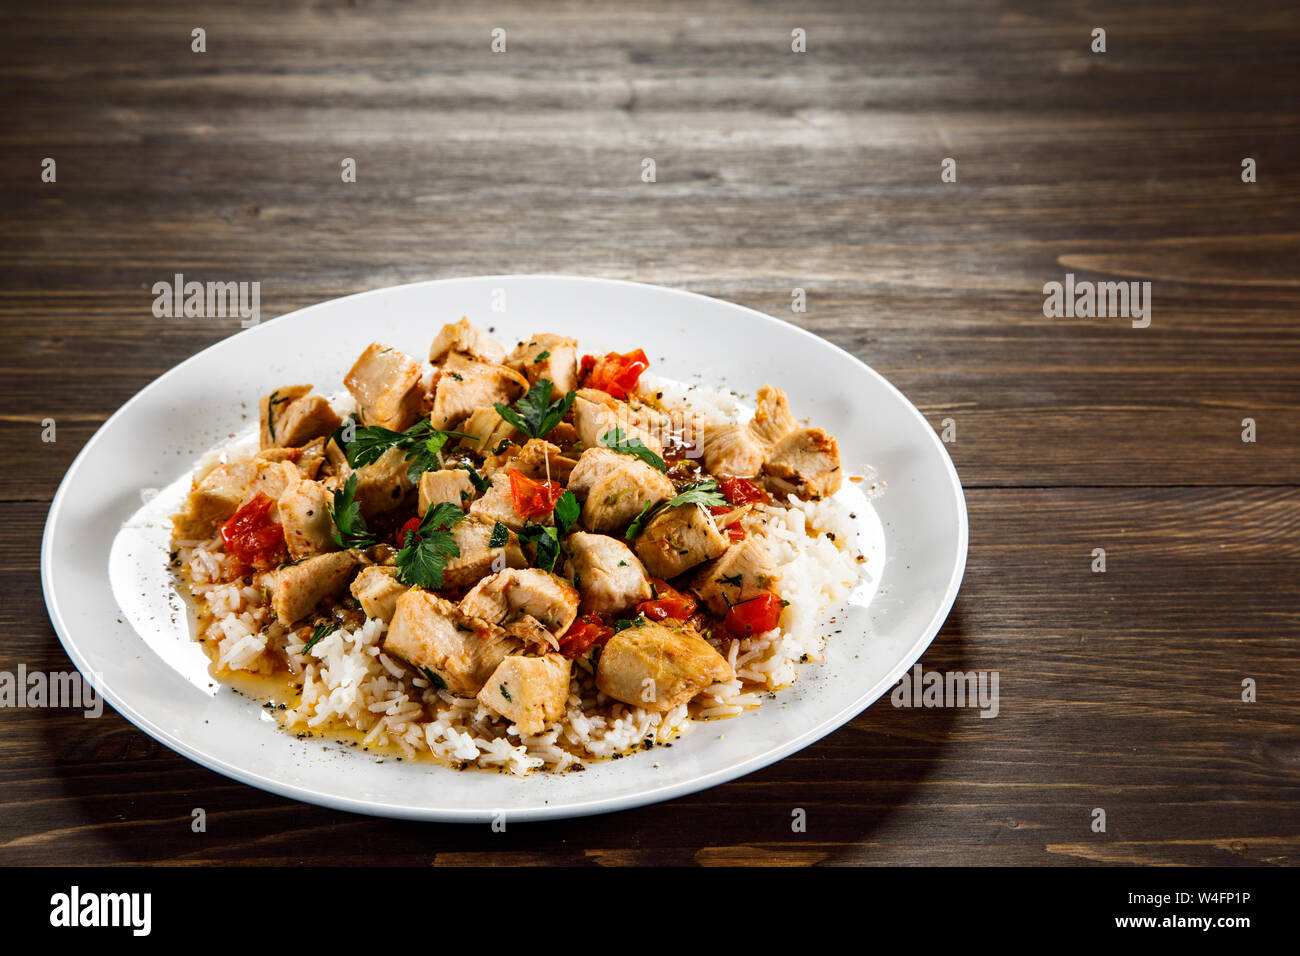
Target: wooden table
x,y
774,170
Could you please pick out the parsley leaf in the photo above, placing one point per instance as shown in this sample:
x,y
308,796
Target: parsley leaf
x,y
616,440
546,540
351,530
567,510
320,632
480,483
535,414
542,356
500,535
434,678
428,548
421,442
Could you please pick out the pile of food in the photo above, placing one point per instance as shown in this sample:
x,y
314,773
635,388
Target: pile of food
x,y
515,560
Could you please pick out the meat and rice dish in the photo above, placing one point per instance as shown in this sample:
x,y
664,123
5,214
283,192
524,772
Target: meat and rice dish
x,y
515,560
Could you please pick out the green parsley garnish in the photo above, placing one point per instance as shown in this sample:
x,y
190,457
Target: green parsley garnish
x,y
616,440
567,510
434,678
428,548
535,414
546,540
480,483
542,356
350,527
320,632
506,694
421,442
500,535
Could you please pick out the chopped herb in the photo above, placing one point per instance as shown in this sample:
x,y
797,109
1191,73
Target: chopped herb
x,y
429,547
542,356
350,527
624,623
616,440
535,414
500,535
270,411
735,580
320,632
622,564
703,493
480,483
506,694
421,442
546,540
457,376
567,510
434,678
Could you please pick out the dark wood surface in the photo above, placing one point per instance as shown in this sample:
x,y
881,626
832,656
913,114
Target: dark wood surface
x,y
775,170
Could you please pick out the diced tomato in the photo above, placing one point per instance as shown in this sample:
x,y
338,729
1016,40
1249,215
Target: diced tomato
x,y
409,528
585,633
252,537
614,373
533,499
755,616
741,491
670,603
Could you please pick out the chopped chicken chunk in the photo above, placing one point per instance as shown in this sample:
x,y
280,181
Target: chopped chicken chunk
x,y
466,339
677,539
656,667
498,504
290,416
460,651
215,497
492,430
596,414
530,692
466,385
615,488
297,588
606,573
537,459
386,385
804,463
552,357
449,486
732,450
772,418
746,569
377,588
382,485
477,559
547,599
305,517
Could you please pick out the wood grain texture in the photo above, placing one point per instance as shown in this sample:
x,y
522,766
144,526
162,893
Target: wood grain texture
x,y
774,171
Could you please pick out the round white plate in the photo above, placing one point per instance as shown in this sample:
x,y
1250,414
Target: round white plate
x,y
112,602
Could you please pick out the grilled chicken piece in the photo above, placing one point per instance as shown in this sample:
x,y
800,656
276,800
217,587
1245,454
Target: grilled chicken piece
x,y
657,667
538,459
308,458
271,478
804,463
551,357
290,417
605,572
746,569
477,559
215,497
377,588
772,418
677,539
466,385
298,588
530,692
461,651
596,414
491,430
386,385
732,450
383,485
466,339
450,485
305,517
615,488
545,599
498,504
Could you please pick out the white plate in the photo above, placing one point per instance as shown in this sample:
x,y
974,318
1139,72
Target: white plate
x,y
104,555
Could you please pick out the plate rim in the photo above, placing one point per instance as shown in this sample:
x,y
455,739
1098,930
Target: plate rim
x,y
597,805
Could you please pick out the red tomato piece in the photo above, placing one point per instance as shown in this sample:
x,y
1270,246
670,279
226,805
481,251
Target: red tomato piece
x,y
409,528
670,603
741,491
614,373
734,530
585,633
755,616
252,537
533,499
